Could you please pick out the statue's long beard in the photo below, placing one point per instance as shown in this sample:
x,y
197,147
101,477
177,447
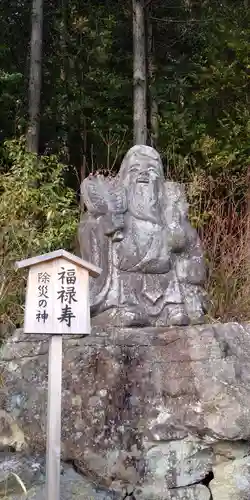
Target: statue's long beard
x,y
144,202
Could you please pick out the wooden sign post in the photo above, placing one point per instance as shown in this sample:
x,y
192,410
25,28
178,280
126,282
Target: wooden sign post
x,y
57,304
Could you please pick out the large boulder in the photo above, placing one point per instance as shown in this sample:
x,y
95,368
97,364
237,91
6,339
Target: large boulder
x,y
161,411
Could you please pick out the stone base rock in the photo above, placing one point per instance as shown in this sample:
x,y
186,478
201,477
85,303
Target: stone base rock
x,y
164,411
232,480
158,492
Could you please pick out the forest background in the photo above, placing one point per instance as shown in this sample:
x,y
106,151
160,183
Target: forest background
x,y
198,98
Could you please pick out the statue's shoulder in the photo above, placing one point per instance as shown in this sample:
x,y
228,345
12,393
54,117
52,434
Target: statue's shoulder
x,y
175,189
175,196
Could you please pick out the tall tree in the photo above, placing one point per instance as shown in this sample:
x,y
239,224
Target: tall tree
x,y
35,76
140,73
153,122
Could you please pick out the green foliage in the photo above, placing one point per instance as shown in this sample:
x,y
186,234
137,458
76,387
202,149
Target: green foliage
x,y
9,97
203,90
201,81
37,214
87,92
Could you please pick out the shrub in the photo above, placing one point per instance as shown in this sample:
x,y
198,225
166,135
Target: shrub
x,y
38,214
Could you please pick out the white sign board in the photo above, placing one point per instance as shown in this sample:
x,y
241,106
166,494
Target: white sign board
x,y
57,296
57,299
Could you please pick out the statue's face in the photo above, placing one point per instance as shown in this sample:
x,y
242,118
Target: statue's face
x,y
144,186
143,169
147,175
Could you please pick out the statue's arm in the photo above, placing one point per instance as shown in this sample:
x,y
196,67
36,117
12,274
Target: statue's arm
x,y
94,247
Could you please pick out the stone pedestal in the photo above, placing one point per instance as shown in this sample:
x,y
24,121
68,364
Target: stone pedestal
x,y
162,411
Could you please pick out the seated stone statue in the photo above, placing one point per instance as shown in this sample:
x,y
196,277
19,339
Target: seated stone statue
x,y
136,229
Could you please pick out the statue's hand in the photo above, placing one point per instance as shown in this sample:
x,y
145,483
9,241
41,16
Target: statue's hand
x,y
102,195
176,237
93,193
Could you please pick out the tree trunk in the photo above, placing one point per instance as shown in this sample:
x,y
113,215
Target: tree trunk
x,y
35,76
64,79
140,77
152,103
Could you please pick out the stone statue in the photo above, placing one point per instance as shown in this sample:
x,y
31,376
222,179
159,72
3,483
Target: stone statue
x,y
136,229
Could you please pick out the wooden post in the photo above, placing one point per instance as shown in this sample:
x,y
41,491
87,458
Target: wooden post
x,y
57,304
53,451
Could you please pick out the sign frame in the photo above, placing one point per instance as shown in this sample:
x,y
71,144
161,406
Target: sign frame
x,y
57,294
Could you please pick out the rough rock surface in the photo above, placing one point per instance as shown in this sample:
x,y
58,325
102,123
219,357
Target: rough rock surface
x,y
232,480
159,410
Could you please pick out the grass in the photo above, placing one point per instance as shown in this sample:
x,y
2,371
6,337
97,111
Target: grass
x,y
19,482
223,224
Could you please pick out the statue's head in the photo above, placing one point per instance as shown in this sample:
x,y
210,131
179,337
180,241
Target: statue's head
x,y
141,164
141,174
